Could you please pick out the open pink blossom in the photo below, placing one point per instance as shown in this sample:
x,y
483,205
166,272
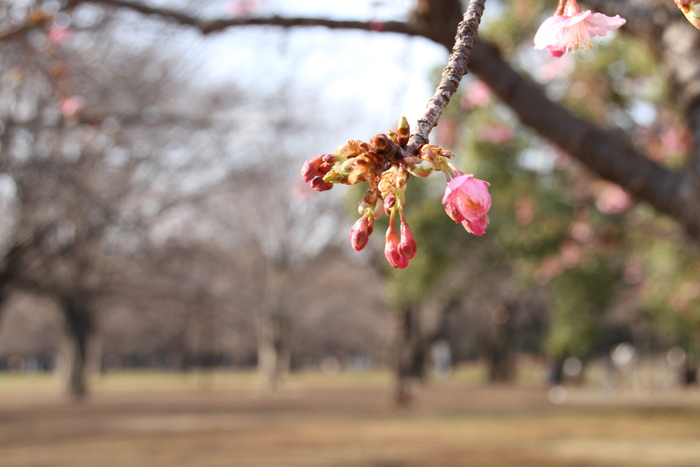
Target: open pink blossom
x,y
467,200
572,29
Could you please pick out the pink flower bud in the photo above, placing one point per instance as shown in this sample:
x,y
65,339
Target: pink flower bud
x,y
389,203
407,247
360,232
319,184
391,249
310,169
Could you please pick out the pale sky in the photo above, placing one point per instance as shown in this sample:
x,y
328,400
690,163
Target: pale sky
x,y
382,76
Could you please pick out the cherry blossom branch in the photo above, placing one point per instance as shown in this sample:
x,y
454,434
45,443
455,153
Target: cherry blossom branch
x,y
602,151
451,75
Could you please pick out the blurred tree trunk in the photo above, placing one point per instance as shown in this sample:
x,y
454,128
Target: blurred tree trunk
x,y
274,323
419,327
498,345
556,372
689,372
79,322
410,354
273,353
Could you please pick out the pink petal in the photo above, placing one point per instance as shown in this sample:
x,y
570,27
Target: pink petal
x,y
476,226
466,186
548,32
598,24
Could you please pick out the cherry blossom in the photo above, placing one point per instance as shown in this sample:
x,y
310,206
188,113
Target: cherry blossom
x,y
467,200
570,29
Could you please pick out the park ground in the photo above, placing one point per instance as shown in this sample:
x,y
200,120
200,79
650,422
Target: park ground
x,y
346,420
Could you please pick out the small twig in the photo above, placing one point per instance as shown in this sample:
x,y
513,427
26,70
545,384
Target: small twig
x,y
451,75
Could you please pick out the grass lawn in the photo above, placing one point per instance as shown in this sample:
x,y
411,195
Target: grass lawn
x,y
220,419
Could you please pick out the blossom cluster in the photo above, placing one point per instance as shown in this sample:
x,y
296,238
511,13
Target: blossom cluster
x,y
386,166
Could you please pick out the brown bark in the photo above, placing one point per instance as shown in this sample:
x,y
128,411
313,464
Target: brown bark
x,y
453,72
498,345
419,327
411,350
79,322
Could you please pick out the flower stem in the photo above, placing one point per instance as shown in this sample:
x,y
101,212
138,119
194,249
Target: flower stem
x,y
560,8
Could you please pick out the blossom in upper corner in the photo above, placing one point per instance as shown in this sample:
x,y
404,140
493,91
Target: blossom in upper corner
x,y
691,10
570,29
467,200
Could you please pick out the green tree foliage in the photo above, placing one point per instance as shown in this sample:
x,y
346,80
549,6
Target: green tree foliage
x,y
553,224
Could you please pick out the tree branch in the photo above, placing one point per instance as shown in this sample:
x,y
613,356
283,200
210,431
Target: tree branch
x,y
677,45
602,151
215,25
451,75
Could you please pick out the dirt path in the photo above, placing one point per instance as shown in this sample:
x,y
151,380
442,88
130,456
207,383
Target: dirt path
x,y
449,426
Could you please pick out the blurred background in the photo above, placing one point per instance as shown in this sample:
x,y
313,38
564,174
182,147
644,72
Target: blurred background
x,y
172,292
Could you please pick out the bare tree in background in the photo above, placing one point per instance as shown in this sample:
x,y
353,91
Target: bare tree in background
x,y
88,181
604,152
265,208
607,152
